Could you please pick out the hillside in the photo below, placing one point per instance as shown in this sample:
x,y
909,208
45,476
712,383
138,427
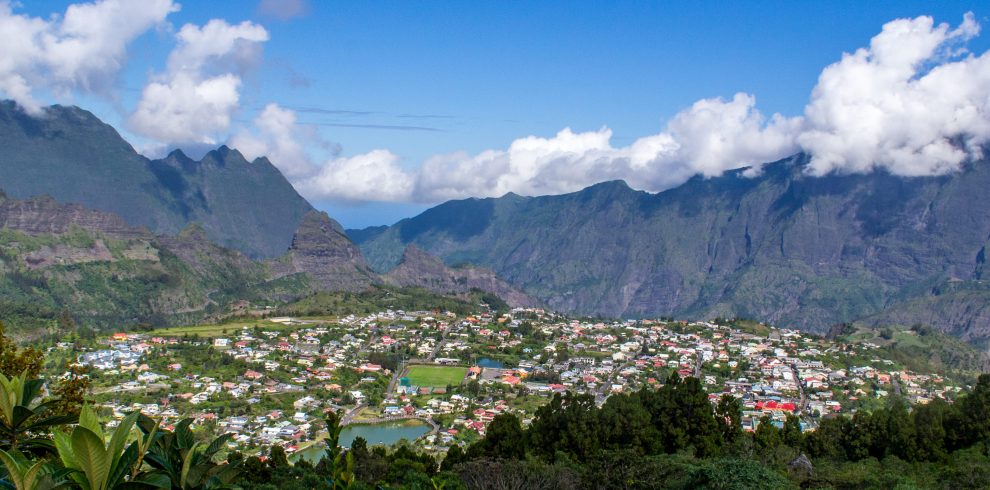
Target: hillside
x,y
74,157
783,247
57,258
60,261
421,270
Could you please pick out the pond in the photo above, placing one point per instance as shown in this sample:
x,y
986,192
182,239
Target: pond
x,y
490,363
386,433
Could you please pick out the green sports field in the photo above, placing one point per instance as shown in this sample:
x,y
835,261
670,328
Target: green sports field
x,y
435,376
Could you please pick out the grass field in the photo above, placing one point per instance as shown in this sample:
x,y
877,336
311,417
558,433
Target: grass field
x,y
435,376
225,329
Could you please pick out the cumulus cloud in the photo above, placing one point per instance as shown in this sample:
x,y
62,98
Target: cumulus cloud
x,y
711,136
372,176
278,135
914,102
82,50
196,97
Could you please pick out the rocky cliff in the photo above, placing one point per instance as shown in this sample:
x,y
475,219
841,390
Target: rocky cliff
x,y
783,247
420,269
321,250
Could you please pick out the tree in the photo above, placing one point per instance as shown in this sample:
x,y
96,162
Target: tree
x,y
767,436
70,390
728,414
971,422
829,440
455,455
23,417
791,434
14,361
929,430
626,424
503,440
568,424
901,437
277,458
695,412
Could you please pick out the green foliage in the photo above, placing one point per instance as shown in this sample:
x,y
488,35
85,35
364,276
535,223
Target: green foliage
x,y
98,465
188,464
23,416
375,299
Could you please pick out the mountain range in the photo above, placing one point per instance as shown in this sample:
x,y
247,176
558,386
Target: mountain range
x,y
784,247
93,230
72,156
92,226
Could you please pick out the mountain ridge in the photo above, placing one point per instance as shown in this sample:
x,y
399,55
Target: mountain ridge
x,y
782,246
69,154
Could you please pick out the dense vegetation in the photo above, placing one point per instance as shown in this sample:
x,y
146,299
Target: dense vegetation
x,y
378,298
671,438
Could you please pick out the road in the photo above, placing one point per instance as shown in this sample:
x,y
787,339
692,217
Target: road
x,y
118,389
349,416
603,390
800,385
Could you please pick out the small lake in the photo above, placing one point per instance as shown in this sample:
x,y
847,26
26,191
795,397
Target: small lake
x,y
490,363
386,434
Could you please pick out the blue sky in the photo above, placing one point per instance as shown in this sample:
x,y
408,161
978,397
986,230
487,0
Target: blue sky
x,y
428,78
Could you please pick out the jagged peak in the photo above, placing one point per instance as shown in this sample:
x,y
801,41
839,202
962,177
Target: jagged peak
x,y
225,154
179,155
617,184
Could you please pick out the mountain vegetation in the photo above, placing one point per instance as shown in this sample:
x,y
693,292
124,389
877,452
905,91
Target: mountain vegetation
x,y
783,247
75,158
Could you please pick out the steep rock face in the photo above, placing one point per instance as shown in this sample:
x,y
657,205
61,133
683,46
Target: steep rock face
x,y
71,155
322,250
43,215
62,257
420,269
784,247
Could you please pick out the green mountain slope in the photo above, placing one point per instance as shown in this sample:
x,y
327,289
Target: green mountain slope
x,y
783,247
74,157
58,258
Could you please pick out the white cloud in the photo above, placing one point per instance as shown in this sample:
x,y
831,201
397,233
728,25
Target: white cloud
x,y
280,137
710,137
914,103
82,50
194,100
372,176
